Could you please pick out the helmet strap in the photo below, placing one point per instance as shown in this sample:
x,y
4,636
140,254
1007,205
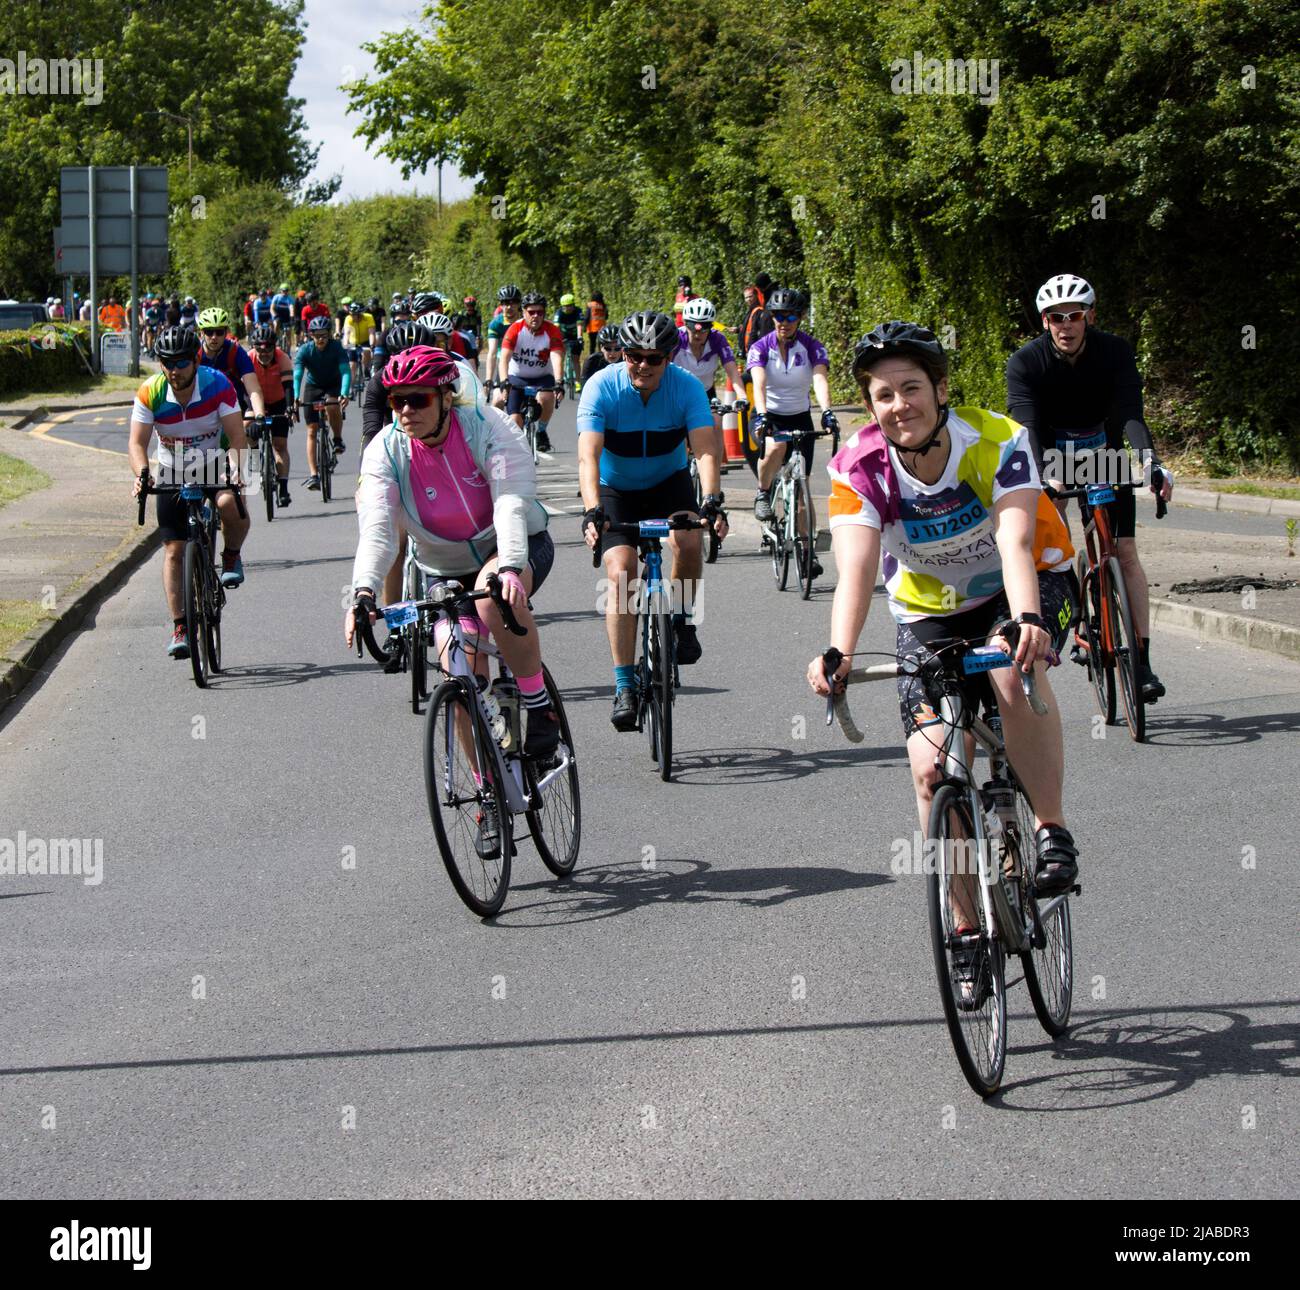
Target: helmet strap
x,y
931,442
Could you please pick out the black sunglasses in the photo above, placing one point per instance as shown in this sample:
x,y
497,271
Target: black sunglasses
x,y
648,360
420,401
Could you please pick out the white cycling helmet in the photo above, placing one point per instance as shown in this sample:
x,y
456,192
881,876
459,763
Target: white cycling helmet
x,y
699,310
437,323
1065,288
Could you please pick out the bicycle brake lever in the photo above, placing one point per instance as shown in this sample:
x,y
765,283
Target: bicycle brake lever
x,y
1031,692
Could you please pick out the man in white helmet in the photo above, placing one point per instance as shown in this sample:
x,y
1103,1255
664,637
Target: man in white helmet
x,y
1077,390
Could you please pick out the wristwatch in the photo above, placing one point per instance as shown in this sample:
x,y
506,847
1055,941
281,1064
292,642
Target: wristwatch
x,y
1030,620
508,568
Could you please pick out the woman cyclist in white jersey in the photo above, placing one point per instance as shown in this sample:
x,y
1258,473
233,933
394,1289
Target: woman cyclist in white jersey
x,y
704,349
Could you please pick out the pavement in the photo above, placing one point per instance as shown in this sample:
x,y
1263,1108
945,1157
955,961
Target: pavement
x,y
268,987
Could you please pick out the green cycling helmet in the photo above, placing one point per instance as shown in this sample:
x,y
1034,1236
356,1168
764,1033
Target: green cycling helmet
x,y
347,300
567,298
214,318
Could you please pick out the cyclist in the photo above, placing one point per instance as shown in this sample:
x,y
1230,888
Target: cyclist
x,y
684,293
263,310
189,312
299,304
274,370
194,411
782,365
282,310
1077,391
948,502
230,357
704,349
634,420
510,312
568,318
154,314
314,308
375,415
445,336
321,370
457,476
531,355
358,337
473,321
378,314
594,318
611,351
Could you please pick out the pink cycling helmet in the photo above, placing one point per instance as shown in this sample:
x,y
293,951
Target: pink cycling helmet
x,y
421,366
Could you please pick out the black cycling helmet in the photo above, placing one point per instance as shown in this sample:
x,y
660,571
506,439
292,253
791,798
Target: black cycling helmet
x,y
263,334
176,342
509,293
649,330
905,338
355,309
375,302
534,298
318,324
784,299
608,337
423,302
405,334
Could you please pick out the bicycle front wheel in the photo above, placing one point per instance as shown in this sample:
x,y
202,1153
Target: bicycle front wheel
x,y
212,621
971,968
1101,671
1127,652
659,669
804,537
268,474
196,610
466,803
556,825
781,547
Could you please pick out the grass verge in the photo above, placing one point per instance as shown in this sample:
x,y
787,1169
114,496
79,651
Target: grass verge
x,y
17,619
17,478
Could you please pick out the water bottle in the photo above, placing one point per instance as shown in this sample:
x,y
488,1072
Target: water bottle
x,y
496,718
506,692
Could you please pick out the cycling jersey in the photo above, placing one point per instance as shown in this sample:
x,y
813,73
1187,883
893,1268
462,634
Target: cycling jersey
x,y
276,378
262,310
282,306
939,555
195,427
1077,407
356,331
788,381
595,363
471,498
318,310
378,315
327,369
645,440
232,359
532,350
498,327
568,318
705,368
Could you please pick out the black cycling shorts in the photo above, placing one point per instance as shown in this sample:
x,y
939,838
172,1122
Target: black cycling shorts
x,y
173,517
515,396
658,502
1058,595
1122,513
313,394
541,556
279,427
777,422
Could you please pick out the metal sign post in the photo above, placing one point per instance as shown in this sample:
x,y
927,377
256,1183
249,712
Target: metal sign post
x,y
94,302
134,305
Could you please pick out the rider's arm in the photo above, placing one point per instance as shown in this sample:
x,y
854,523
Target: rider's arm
x,y
298,370
733,374
1127,406
378,514
374,407
345,370
1022,405
857,557
821,387
1015,519
254,388
232,423
758,375
591,443
137,448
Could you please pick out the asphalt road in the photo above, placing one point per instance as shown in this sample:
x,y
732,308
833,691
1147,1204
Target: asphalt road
x,y
733,996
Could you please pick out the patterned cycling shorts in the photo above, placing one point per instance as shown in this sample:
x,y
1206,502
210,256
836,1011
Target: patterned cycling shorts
x,y
1058,595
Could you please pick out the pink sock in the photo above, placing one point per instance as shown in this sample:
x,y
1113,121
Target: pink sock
x,y
534,684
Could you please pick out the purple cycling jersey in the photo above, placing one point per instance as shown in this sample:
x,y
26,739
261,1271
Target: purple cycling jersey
x,y
788,382
716,353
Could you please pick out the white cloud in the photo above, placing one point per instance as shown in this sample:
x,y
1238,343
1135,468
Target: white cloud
x,y
331,55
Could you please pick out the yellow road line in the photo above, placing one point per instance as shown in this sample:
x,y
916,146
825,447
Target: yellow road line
x,y
43,432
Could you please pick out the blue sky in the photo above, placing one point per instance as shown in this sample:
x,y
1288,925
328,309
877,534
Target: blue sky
x,y
332,55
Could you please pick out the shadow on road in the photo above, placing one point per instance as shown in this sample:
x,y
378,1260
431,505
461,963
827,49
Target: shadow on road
x,y
603,891
1138,1055
1209,729
713,766
276,674
255,565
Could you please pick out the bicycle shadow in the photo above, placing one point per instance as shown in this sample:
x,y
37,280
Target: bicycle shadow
x,y
721,766
1209,729
296,564
605,891
280,674
1135,1055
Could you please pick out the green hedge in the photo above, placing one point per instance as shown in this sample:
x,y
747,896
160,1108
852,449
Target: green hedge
x,y
26,364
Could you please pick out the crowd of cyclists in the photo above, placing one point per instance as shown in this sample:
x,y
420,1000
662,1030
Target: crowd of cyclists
x,y
953,504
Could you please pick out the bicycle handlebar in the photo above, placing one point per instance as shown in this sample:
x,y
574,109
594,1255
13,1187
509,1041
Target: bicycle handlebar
x,y
147,486
1066,494
661,529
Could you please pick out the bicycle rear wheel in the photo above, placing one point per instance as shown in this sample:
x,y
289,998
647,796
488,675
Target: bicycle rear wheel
x,y
212,621
1126,652
556,825
455,748
325,459
196,610
973,991
804,537
1100,672
1049,968
781,547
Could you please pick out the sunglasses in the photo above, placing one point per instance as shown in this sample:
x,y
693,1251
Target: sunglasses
x,y
211,332
785,317
424,399
701,326
1073,316
176,364
534,313
647,360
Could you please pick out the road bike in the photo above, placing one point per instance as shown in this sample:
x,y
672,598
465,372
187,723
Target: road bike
x,y
261,431
532,411
570,381
201,587
1105,635
657,676
790,532
326,457
712,542
981,832
477,778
